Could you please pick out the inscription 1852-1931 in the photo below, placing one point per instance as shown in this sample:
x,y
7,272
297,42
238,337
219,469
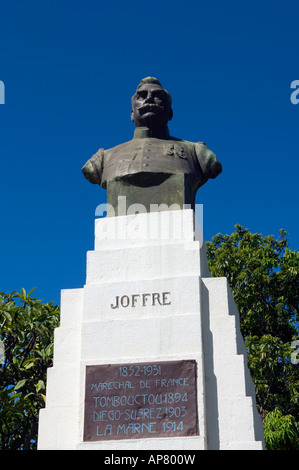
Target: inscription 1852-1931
x,y
140,400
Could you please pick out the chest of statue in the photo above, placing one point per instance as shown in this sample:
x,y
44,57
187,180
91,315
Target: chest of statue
x,y
149,155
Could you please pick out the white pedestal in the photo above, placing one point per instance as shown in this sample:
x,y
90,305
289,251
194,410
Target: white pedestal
x,y
149,298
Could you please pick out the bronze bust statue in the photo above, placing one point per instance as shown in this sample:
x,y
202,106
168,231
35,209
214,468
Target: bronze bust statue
x,y
153,167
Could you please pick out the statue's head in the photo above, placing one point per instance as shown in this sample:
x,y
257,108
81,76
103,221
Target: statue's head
x,y
151,104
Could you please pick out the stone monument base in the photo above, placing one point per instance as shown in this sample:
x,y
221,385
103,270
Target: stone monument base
x,y
149,354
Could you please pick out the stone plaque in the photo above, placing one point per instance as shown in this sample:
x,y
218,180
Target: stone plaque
x,y
140,400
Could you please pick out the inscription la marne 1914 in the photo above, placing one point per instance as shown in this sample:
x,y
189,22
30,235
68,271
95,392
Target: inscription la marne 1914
x,y
142,300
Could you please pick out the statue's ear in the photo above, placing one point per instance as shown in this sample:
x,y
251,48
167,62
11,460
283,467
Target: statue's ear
x,y
132,115
170,114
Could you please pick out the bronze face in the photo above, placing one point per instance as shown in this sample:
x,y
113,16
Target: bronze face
x,y
150,106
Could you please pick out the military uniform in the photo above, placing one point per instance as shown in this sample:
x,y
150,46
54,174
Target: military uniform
x,y
144,159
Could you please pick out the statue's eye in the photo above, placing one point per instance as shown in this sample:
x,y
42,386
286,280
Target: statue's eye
x,y
159,94
141,95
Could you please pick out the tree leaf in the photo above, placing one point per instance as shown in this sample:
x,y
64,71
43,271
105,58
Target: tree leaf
x,y
23,293
44,397
20,384
40,385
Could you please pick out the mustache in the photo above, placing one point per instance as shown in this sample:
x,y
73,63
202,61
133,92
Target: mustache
x,y
150,107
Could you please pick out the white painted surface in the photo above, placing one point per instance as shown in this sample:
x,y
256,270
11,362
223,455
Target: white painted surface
x,y
195,319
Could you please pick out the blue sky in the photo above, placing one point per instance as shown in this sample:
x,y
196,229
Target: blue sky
x,y
70,69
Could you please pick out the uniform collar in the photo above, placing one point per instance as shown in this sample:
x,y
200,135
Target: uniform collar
x,y
145,132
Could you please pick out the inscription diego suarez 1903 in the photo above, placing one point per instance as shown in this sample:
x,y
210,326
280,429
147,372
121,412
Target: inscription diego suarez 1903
x,y
131,401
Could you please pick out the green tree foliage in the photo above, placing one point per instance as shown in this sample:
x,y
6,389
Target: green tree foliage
x,y
263,274
26,335
280,431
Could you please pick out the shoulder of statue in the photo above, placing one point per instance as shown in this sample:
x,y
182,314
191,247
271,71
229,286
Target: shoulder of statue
x,y
201,145
93,168
189,143
99,154
208,161
98,157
